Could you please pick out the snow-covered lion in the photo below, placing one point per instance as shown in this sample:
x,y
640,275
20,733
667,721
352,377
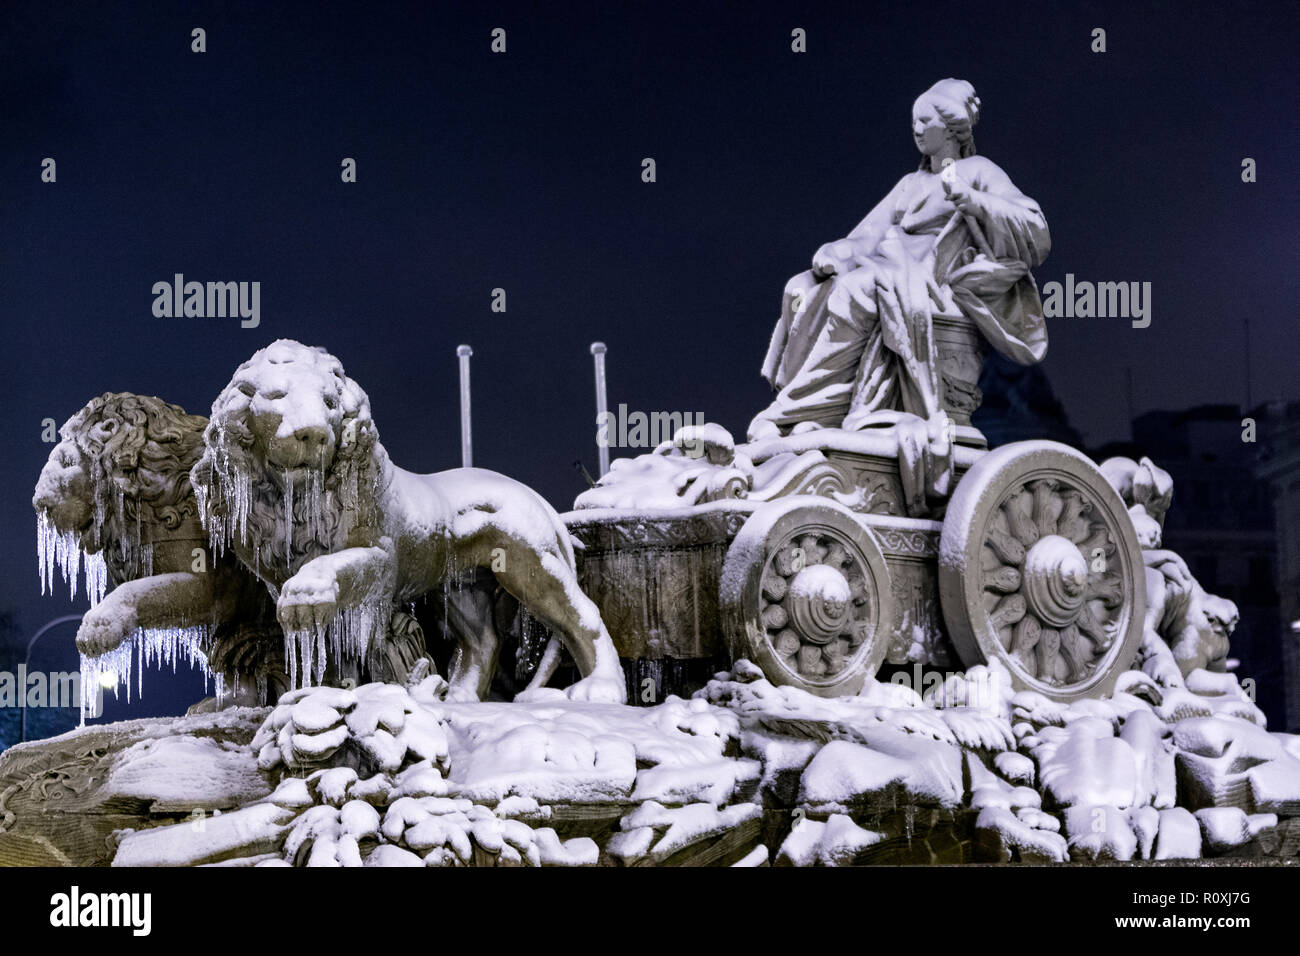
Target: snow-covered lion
x,y
294,479
1195,624
117,488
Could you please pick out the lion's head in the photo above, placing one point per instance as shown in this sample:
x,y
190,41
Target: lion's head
x,y
290,459
120,475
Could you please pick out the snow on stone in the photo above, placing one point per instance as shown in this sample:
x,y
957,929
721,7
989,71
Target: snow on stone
x,y
1009,836
1223,828
391,775
1179,836
186,773
1099,833
1087,765
254,829
836,841
590,753
683,826
844,773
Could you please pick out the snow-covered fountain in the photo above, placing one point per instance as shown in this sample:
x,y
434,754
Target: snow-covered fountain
x,y
751,619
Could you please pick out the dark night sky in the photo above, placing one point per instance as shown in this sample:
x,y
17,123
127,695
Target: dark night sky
x,y
522,171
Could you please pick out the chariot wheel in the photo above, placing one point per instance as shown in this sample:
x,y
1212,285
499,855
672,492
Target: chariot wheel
x,y
805,595
1039,568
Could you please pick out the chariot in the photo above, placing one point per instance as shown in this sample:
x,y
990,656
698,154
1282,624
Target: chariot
x,y
806,556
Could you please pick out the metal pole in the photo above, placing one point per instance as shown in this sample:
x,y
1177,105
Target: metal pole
x,y
22,701
602,409
466,440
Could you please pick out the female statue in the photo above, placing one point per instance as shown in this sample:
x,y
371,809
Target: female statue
x,y
855,343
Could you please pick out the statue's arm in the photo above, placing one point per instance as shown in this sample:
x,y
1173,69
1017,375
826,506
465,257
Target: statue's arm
x,y
1013,223
867,234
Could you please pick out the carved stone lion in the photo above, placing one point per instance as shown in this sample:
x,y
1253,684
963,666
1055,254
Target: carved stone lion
x,y
294,479
117,488
1194,624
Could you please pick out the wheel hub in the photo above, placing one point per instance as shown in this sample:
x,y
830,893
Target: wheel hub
x,y
1055,579
818,602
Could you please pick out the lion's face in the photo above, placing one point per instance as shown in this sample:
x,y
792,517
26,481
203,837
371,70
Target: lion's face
x,y
289,462
65,493
121,469
290,405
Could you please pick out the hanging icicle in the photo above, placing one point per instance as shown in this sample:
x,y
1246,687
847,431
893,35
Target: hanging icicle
x,y
161,646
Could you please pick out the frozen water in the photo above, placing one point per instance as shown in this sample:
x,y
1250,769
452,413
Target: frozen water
x,y
63,550
161,646
346,639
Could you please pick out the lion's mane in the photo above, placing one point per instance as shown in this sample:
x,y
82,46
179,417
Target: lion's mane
x,y
137,452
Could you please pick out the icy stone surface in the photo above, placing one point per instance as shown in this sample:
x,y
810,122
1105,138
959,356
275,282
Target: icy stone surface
x,y
388,775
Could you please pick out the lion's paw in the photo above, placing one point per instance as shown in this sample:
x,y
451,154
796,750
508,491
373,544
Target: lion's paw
x,y
598,689
308,600
105,627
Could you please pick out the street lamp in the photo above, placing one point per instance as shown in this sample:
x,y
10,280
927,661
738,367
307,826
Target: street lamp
x,y
22,708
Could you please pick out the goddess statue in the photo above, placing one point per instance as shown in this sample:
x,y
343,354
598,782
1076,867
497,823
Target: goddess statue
x,y
892,320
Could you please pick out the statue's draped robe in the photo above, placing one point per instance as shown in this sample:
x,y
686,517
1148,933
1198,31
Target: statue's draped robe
x,y
853,345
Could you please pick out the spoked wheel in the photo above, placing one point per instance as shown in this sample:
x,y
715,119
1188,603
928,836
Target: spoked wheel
x,y
1039,568
805,595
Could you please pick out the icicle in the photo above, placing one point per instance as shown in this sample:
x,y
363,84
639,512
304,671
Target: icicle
x,y
345,640
167,645
63,550
96,577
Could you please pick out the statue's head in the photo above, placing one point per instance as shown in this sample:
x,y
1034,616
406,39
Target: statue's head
x,y
1142,484
1222,615
123,462
290,422
948,110
292,407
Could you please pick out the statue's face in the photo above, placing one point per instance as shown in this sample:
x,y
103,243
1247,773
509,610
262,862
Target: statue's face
x,y
927,129
292,399
1221,614
63,492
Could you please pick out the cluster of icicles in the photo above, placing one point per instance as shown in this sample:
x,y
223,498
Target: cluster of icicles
x,y
224,511
62,550
155,646
344,641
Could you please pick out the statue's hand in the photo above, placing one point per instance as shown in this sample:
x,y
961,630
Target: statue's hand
x,y
834,258
956,189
